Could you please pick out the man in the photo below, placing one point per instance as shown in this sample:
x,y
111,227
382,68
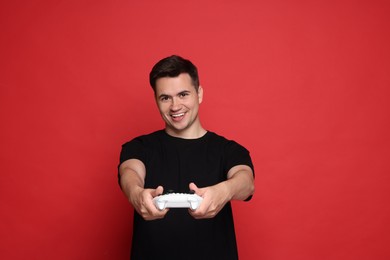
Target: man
x,y
183,157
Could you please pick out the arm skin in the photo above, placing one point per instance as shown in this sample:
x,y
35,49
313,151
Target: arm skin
x,y
132,176
238,186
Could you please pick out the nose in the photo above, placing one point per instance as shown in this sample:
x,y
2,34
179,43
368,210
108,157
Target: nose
x,y
175,104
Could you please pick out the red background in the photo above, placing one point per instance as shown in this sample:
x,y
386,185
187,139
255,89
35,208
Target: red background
x,y
304,85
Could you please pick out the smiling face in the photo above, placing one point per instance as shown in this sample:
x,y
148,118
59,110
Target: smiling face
x,y
178,103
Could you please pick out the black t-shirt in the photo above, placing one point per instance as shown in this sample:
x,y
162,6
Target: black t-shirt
x,y
173,163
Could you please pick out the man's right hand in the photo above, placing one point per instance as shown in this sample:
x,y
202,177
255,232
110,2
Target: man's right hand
x,y
132,180
142,201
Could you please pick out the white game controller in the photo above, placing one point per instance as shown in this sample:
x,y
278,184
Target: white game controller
x,y
177,200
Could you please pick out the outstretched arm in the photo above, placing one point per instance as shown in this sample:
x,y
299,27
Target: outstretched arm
x,y
132,176
238,186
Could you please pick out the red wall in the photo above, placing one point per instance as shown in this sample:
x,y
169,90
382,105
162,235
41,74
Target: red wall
x,y
303,84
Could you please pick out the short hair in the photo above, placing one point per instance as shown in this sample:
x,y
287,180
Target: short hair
x,y
173,66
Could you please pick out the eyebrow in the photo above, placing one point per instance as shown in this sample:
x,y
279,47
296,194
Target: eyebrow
x,y
180,93
163,95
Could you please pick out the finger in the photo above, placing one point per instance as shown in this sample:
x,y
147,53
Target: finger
x,y
193,187
158,191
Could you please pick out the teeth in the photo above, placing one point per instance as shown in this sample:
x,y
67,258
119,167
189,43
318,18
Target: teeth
x,y
178,115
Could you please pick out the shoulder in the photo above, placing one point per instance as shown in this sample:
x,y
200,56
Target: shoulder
x,y
225,142
214,137
146,139
140,147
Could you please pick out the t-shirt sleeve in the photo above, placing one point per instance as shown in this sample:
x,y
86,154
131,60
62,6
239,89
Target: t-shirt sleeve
x,y
134,149
236,154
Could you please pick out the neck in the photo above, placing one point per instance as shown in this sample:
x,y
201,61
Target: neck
x,y
186,133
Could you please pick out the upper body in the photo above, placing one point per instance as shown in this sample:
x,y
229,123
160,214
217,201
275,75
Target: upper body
x,y
173,163
142,174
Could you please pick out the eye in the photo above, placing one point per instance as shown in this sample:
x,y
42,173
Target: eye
x,y
183,94
164,98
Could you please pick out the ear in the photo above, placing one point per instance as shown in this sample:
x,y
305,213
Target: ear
x,y
200,94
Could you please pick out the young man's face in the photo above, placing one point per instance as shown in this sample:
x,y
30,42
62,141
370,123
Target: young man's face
x,y
178,102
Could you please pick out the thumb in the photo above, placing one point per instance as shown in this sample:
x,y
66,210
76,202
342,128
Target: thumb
x,y
194,188
158,191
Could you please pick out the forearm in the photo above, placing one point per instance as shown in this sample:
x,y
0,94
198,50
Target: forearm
x,y
133,187
240,185
131,184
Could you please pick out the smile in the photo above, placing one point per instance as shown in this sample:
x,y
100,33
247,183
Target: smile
x,y
177,115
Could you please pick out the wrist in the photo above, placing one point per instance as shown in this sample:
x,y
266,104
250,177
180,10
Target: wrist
x,y
226,188
134,193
